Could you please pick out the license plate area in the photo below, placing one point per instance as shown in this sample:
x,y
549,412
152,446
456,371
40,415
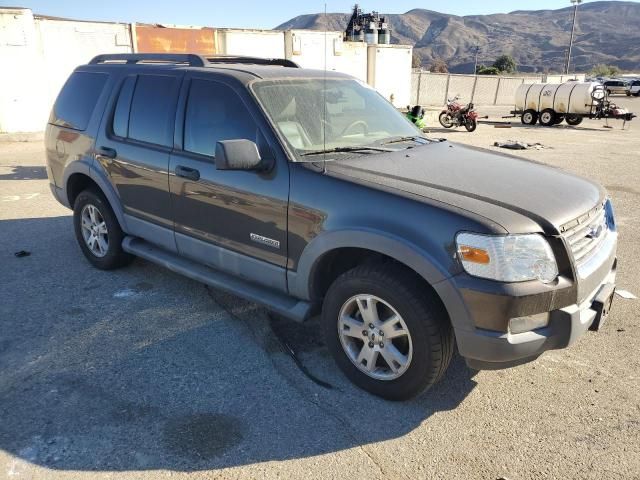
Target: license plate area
x,y
602,305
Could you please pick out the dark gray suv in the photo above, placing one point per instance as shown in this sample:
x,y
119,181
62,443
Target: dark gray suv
x,y
307,192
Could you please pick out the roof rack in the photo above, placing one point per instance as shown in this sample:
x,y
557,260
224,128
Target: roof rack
x,y
132,58
190,59
251,60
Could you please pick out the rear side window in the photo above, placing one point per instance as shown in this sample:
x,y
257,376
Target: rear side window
x,y
151,117
215,112
78,99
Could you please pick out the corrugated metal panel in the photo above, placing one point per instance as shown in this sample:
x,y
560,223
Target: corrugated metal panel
x,y
157,39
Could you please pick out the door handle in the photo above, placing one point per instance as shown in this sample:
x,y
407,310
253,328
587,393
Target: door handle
x,y
106,152
189,173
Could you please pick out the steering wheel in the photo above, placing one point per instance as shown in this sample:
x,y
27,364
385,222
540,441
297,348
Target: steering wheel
x,y
354,124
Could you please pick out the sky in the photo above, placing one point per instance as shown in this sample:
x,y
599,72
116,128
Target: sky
x,y
257,13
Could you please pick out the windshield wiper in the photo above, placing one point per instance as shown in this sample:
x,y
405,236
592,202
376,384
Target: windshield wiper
x,y
405,139
346,149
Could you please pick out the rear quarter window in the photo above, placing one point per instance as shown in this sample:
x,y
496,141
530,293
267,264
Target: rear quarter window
x,y
77,100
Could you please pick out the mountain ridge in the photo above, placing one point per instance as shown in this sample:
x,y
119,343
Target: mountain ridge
x,y
606,32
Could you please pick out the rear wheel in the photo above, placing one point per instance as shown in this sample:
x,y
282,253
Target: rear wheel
x,y
529,117
574,119
386,334
98,232
559,119
547,117
445,120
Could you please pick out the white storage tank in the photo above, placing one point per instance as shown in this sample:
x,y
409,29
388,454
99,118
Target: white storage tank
x,y
570,97
389,72
253,43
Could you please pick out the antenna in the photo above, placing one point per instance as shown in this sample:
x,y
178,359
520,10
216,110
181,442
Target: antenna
x,y
324,95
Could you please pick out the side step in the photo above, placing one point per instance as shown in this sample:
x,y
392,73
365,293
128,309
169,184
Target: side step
x,y
279,303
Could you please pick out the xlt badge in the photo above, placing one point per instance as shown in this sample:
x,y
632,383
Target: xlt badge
x,y
265,240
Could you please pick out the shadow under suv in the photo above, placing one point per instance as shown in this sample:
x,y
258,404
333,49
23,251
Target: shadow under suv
x,y
307,192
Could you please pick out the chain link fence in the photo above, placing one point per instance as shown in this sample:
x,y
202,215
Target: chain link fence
x,y
434,88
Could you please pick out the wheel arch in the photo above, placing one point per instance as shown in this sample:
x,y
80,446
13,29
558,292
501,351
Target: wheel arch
x,y
79,176
353,247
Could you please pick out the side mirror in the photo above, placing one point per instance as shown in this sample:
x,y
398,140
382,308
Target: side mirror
x,y
237,155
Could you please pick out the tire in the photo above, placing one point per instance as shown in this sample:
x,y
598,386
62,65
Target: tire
x,y
445,120
574,119
106,253
547,117
470,125
427,348
628,94
608,92
529,117
559,119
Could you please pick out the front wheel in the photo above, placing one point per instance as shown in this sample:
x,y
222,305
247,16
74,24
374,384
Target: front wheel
x,y
389,335
529,117
98,232
445,120
471,124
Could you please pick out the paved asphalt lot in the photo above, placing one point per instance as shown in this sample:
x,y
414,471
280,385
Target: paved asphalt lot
x,y
140,373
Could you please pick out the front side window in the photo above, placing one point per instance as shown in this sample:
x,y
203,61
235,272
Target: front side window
x,y
215,112
77,99
317,114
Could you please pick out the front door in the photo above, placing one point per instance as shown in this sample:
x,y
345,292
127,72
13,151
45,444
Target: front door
x,y
235,221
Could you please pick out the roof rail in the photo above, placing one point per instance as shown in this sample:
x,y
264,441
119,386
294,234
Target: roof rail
x,y
251,60
132,58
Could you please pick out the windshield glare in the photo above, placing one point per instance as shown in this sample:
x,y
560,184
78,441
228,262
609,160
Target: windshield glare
x,y
316,114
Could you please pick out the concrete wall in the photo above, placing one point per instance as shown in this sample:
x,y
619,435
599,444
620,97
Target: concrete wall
x,y
66,44
389,72
254,43
22,81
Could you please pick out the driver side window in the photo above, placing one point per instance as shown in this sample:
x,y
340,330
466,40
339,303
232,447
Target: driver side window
x,y
215,112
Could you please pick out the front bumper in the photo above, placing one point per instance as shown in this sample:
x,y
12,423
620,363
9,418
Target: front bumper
x,y
483,309
489,350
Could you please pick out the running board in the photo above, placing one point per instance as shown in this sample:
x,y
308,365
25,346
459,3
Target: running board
x,y
279,303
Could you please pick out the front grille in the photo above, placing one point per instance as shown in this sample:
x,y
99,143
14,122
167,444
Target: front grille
x,y
585,234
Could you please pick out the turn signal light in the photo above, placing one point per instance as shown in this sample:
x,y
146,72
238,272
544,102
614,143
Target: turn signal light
x,y
475,255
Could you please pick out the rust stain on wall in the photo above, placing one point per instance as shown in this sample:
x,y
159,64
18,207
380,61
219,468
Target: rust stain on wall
x,y
156,39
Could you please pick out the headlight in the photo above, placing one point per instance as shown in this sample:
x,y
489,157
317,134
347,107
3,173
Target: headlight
x,y
508,258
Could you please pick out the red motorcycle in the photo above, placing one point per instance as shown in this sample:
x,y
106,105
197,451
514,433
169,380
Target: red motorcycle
x,y
458,115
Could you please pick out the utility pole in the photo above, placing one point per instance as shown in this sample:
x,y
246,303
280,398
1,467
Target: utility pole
x,y
573,29
475,68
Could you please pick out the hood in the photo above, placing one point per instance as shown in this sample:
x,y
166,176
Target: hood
x,y
478,180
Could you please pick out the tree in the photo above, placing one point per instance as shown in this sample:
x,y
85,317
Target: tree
x,y
416,60
602,70
482,70
506,64
439,66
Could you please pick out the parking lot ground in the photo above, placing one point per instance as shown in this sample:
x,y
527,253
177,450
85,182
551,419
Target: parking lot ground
x,y
142,374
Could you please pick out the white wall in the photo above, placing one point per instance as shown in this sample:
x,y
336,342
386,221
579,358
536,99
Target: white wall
x,y
22,80
67,44
353,60
389,72
254,43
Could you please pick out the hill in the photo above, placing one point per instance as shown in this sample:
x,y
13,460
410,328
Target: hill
x,y
606,32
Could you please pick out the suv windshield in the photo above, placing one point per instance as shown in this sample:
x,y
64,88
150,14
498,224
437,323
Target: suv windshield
x,y
314,114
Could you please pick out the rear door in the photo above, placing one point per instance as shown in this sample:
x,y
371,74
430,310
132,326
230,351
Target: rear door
x,y
134,149
235,221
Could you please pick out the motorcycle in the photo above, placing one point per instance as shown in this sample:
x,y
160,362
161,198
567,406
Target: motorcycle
x,y
458,115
